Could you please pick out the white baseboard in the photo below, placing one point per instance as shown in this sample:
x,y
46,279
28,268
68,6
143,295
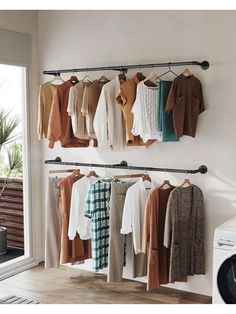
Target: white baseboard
x,y
17,267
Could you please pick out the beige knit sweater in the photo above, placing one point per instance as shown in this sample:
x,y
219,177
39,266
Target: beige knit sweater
x,y
45,100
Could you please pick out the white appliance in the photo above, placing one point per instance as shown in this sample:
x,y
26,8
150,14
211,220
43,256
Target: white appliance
x,y
224,263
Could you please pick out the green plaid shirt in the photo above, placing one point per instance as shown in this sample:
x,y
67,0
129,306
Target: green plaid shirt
x,y
97,208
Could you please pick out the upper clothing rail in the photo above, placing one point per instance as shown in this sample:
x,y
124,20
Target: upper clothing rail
x,y
124,68
124,165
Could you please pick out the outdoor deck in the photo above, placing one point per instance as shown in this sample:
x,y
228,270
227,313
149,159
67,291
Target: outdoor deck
x,y
11,212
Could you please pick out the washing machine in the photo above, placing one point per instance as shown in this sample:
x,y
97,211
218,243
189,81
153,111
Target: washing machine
x,y
224,263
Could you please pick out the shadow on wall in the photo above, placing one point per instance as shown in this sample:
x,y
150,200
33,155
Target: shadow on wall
x,y
222,200
220,204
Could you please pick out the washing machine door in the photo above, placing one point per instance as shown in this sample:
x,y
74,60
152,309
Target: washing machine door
x,y
226,280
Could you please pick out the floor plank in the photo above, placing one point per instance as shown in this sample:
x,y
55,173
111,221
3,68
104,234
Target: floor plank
x,y
72,286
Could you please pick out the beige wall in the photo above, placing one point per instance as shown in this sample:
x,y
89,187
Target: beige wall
x,y
83,39
27,22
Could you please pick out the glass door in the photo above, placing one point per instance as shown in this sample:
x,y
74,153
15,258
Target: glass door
x,y
19,231
15,209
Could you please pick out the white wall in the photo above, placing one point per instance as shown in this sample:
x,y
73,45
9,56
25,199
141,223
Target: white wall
x,y
94,38
26,22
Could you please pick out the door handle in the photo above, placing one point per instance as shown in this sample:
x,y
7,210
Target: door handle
x,y
225,244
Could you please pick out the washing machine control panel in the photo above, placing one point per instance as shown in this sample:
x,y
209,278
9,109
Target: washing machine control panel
x,y
224,239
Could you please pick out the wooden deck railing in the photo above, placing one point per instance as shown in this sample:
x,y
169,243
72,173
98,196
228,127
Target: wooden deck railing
x,y
11,212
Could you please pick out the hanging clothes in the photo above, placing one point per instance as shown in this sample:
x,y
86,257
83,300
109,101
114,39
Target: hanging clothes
x,y
186,101
126,99
116,252
97,209
78,223
52,224
133,213
118,243
153,235
166,125
91,96
59,127
184,232
45,100
75,101
145,111
77,249
108,121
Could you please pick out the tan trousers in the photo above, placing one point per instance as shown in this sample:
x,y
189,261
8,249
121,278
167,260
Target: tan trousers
x,y
117,240
53,224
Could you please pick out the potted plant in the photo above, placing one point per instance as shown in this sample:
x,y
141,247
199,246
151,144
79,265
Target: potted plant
x,y
10,159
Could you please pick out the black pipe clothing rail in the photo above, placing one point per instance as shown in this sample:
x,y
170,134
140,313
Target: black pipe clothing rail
x,y
124,68
124,165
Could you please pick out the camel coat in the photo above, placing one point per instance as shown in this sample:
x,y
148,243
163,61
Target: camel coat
x,y
71,250
153,234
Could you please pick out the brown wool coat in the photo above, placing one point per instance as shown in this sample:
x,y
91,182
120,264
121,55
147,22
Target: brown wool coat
x,y
184,232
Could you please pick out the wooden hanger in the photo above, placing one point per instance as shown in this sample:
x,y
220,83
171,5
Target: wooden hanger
x,y
152,76
187,72
77,173
92,173
127,176
140,76
88,78
166,182
74,79
57,77
103,78
186,181
122,77
61,171
146,177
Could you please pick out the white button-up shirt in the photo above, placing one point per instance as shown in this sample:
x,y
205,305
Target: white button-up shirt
x,y
78,222
133,212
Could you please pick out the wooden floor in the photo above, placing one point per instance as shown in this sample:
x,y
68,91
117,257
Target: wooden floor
x,y
73,286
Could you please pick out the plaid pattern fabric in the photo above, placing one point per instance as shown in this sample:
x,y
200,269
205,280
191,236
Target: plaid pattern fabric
x,y
97,208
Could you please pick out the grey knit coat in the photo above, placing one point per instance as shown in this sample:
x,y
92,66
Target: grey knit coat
x,y
184,232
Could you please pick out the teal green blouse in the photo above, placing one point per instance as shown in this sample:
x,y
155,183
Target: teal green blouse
x,y
166,119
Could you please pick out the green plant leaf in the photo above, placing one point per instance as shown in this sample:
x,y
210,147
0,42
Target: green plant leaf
x,y
14,154
8,125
